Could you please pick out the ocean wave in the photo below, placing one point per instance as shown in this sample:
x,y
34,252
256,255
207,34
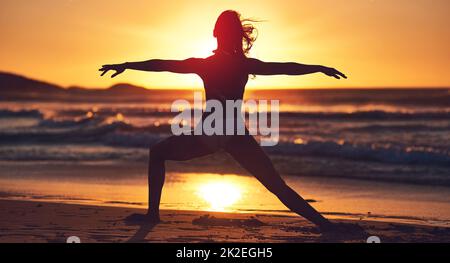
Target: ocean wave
x,y
87,134
64,123
160,113
372,153
129,112
398,128
138,140
5,113
357,115
70,152
122,134
369,115
87,130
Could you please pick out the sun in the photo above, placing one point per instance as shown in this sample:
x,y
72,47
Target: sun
x,y
204,47
220,195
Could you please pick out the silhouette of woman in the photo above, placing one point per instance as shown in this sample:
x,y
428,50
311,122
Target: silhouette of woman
x,y
224,75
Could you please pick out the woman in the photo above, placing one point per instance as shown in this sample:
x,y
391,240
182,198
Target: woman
x,y
224,75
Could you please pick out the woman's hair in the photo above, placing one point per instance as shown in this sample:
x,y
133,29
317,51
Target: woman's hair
x,y
235,34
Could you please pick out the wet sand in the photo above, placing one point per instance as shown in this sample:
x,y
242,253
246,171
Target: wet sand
x,y
124,184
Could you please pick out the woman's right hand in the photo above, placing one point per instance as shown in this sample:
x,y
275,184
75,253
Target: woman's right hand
x,y
118,68
332,72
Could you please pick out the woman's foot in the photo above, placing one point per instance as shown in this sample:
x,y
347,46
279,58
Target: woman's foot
x,y
143,218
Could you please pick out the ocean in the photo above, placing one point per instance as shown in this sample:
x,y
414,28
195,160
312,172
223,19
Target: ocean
x,y
400,135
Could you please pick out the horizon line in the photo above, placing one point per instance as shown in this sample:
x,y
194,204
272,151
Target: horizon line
x,y
247,88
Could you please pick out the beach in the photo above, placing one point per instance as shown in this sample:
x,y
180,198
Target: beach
x,y
55,222
44,202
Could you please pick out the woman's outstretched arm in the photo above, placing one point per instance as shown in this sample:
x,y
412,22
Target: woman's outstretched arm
x,y
191,65
259,67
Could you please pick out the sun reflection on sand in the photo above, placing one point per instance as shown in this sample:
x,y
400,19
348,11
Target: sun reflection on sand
x,y
220,195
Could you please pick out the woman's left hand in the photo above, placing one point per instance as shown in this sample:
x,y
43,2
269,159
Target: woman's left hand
x,y
118,68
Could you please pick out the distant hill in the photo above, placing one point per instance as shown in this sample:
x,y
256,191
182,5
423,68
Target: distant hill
x,y
14,86
11,83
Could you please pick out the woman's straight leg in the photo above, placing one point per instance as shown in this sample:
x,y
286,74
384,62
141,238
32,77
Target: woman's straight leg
x,y
249,154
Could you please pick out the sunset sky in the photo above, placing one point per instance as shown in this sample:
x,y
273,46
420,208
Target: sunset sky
x,y
377,43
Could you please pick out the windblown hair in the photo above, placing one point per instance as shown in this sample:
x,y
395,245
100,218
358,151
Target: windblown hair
x,y
235,34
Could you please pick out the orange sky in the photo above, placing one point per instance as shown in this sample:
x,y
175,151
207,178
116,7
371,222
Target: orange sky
x,y
378,43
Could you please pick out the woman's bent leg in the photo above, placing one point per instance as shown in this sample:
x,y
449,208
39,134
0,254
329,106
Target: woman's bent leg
x,y
176,148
